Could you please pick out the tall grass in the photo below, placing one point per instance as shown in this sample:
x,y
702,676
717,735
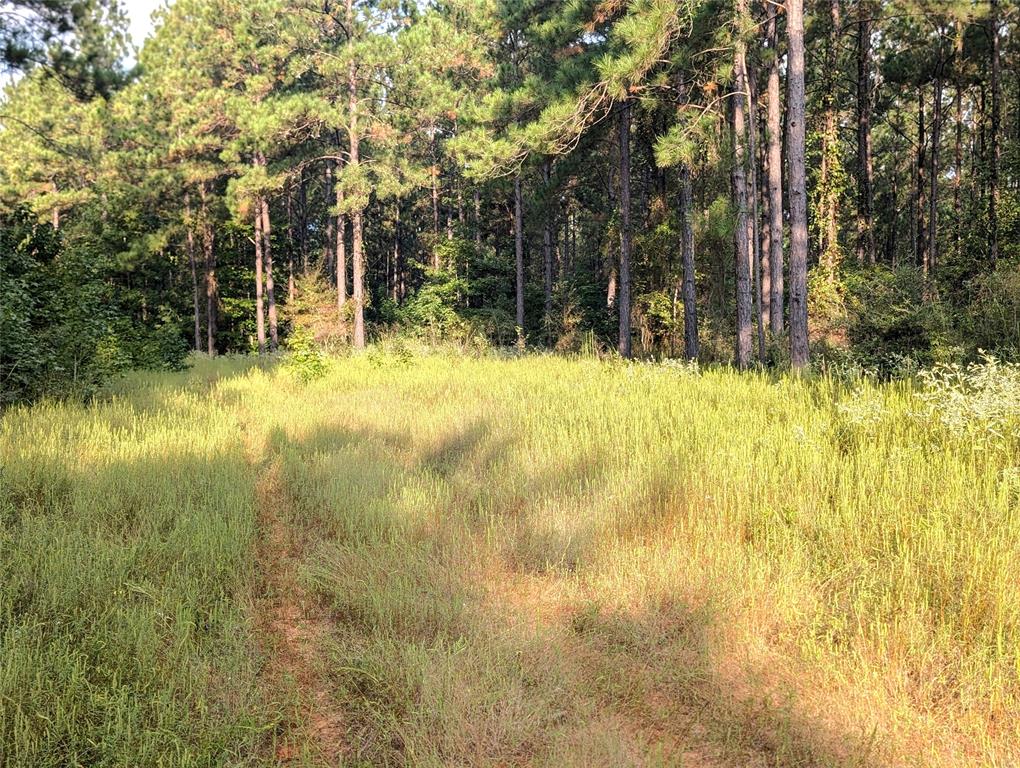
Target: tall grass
x,y
126,533
533,561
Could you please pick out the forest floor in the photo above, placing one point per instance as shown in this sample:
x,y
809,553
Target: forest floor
x,y
429,560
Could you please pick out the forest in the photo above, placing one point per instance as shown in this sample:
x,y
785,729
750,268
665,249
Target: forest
x,y
738,183
531,383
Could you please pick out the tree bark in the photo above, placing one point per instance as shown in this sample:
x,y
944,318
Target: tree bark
x,y
799,350
775,181
738,179
994,154
933,197
478,221
624,345
267,251
920,203
260,319
958,147
830,152
865,166
211,286
760,300
547,250
193,263
519,259
687,255
341,252
354,161
329,243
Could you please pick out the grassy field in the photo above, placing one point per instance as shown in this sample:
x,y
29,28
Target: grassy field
x,y
427,560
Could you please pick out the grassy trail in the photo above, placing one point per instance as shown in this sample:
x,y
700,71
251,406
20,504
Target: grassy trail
x,y
293,631
441,561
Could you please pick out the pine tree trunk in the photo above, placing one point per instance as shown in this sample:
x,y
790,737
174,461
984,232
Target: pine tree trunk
x,y
958,147
303,222
865,166
519,258
547,251
193,263
260,320
354,160
211,286
291,289
738,179
478,221
397,266
624,345
830,151
799,352
933,197
775,181
760,300
920,203
341,253
994,154
329,243
267,250
687,255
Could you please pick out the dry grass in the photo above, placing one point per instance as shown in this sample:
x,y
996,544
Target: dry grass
x,y
552,562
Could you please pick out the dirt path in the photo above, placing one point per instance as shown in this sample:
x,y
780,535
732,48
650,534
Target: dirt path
x,y
295,632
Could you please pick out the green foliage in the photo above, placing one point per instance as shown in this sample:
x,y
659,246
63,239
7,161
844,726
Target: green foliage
x,y
63,332
305,358
888,318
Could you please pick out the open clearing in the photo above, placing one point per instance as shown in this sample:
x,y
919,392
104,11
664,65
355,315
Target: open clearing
x,y
437,560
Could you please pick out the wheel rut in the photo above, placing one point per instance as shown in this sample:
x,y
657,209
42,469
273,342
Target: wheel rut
x,y
295,632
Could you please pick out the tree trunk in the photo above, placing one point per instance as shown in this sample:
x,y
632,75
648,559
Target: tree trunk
x,y
267,250
994,155
303,222
329,243
547,250
341,253
397,266
291,289
865,166
738,179
260,320
775,181
193,263
958,147
354,160
760,300
687,254
830,151
933,197
211,286
624,287
920,233
799,351
519,258
478,221
434,178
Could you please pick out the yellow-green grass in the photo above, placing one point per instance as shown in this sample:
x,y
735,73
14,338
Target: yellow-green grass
x,y
526,561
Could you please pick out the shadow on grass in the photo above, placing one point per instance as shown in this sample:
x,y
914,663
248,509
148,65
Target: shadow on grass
x,y
429,669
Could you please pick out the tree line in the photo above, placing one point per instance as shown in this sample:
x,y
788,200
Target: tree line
x,y
725,180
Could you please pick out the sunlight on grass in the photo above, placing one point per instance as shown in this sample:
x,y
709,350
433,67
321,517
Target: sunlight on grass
x,y
532,561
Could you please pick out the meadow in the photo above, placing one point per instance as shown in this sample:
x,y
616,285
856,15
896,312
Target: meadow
x,y
450,560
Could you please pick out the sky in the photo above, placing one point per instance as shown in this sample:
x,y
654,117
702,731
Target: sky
x,y
140,12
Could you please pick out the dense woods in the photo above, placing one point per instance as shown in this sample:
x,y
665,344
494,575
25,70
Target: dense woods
x,y
833,182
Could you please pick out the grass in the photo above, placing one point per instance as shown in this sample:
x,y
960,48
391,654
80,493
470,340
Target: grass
x,y
533,561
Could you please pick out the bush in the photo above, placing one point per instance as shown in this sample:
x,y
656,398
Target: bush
x,y
304,357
